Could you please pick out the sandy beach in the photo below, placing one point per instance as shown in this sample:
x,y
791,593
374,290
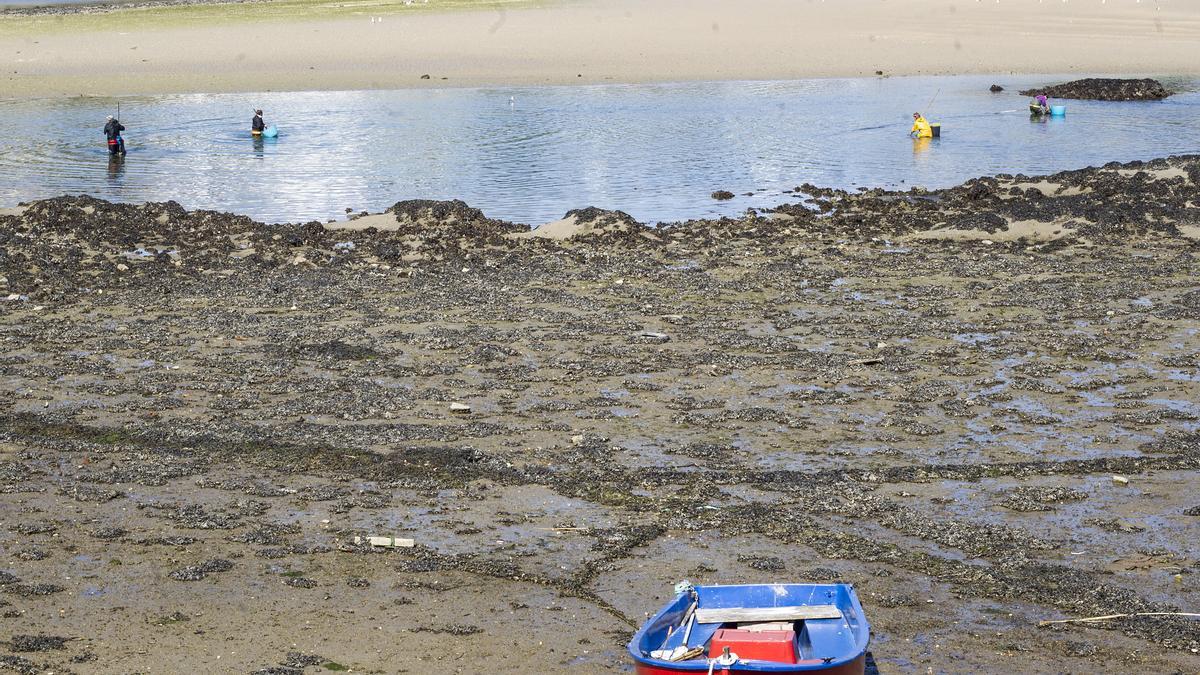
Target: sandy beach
x,y
335,46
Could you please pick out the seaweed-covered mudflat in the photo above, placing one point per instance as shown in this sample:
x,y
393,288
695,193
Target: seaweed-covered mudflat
x,y
979,405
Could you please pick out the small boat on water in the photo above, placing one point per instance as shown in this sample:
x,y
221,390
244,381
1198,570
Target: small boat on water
x,y
759,628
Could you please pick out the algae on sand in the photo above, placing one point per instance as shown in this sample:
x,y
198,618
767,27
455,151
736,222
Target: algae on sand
x,y
57,19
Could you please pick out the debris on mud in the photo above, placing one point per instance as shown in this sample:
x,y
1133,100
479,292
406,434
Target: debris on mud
x,y
173,617
449,629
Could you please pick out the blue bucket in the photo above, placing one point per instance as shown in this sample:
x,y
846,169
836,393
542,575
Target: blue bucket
x,y
270,132
1058,110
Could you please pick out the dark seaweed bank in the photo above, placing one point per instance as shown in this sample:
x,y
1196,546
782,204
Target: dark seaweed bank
x,y
978,405
1106,89
56,244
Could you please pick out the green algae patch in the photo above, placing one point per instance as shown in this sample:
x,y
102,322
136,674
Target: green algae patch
x,y
134,17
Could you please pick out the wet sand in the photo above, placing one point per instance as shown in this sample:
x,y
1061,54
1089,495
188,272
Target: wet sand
x,y
301,46
199,415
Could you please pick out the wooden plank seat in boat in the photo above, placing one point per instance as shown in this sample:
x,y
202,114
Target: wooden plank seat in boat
x,y
754,614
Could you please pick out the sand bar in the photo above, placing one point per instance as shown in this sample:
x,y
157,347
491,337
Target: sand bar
x,y
311,45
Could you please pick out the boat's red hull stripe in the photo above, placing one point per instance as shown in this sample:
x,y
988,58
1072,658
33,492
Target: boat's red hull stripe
x,y
856,667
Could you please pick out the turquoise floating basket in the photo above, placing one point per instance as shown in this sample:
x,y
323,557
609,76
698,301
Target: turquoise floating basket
x,y
1055,111
270,132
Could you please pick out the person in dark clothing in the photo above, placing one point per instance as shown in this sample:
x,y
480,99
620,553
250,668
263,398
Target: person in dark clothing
x,y
112,130
257,125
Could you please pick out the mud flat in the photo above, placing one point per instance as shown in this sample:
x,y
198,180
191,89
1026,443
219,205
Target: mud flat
x,y
927,394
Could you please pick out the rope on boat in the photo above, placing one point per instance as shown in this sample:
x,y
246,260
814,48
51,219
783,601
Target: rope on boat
x,y
726,659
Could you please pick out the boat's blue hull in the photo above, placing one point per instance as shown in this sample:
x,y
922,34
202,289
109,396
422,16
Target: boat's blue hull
x,y
826,645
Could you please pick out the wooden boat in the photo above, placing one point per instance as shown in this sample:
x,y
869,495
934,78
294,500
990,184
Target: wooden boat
x,y
761,628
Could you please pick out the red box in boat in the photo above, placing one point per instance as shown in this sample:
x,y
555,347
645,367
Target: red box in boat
x,y
767,645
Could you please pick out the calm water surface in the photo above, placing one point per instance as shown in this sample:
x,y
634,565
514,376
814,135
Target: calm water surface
x,y
528,155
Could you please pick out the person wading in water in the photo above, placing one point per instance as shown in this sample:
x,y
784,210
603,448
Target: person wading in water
x,y
112,130
257,125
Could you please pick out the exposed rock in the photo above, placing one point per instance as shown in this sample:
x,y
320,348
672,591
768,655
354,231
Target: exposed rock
x,y
37,643
764,563
19,665
419,216
592,225
1034,498
301,660
198,572
1105,89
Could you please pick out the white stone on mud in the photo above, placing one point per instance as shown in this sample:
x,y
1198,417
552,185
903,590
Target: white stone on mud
x,y
390,542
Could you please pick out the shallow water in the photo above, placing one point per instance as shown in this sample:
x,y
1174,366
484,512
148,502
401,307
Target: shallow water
x,y
529,154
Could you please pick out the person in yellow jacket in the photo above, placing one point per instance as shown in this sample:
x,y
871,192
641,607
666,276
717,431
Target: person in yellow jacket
x,y
921,128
